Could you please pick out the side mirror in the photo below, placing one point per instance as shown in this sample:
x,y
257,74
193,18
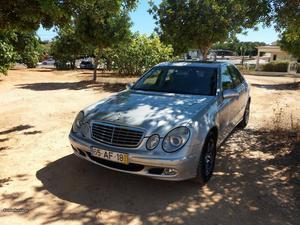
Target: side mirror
x,y
129,86
230,93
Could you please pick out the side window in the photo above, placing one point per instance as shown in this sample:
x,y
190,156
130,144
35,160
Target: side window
x,y
152,80
227,82
236,76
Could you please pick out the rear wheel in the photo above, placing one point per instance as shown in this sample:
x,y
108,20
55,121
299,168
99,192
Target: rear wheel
x,y
207,160
246,115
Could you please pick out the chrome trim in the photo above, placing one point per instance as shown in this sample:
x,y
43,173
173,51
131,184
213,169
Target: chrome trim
x,y
119,126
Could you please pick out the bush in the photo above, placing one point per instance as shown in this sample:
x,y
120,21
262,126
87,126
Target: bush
x,y
139,55
17,46
7,56
275,67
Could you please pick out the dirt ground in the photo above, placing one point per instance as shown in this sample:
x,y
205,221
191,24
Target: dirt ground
x,y
257,178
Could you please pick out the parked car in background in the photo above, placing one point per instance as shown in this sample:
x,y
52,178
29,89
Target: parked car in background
x,y
168,124
49,61
86,64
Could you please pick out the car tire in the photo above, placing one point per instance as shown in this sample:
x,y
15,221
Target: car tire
x,y
207,160
246,116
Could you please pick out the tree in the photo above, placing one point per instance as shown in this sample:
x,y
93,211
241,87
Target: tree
x,y
45,50
104,24
27,16
200,23
7,56
290,41
140,54
22,47
285,14
30,14
27,46
66,47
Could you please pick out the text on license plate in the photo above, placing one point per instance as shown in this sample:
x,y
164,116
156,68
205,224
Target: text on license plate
x,y
111,156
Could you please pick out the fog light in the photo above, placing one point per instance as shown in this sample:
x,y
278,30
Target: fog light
x,y
170,171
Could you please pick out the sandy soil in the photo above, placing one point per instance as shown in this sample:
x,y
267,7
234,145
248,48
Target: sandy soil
x,y
257,178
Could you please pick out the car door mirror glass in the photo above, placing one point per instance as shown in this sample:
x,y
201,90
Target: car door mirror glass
x,y
230,93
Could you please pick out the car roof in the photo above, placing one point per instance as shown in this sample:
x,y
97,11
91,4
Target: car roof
x,y
193,63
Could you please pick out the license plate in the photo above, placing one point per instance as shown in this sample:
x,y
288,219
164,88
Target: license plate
x,y
111,156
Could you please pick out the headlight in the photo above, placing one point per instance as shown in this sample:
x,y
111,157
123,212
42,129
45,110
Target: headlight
x,y
152,142
85,129
78,122
175,139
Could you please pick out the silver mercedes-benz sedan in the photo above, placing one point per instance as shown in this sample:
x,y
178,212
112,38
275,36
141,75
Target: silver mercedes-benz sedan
x,y
169,124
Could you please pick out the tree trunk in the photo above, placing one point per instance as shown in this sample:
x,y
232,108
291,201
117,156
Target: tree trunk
x,y
95,68
204,52
97,57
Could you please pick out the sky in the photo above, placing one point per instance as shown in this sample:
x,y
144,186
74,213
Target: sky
x,y
145,24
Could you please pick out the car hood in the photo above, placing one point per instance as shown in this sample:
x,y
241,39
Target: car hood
x,y
154,112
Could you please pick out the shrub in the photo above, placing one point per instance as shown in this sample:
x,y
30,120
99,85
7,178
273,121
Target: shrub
x,y
275,67
7,56
140,54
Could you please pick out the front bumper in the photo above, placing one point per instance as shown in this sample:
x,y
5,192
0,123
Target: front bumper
x,y
154,166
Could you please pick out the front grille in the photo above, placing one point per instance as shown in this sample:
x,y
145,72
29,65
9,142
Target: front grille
x,y
116,135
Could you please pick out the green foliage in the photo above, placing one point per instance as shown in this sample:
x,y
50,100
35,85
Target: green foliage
x,y
7,56
103,25
140,54
285,14
45,50
287,18
275,67
195,24
21,47
28,47
28,15
290,41
66,48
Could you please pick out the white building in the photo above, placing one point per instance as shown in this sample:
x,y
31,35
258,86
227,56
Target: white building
x,y
272,53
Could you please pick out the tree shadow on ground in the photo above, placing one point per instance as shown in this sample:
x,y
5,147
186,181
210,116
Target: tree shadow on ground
x,y
86,84
32,132
16,129
285,86
4,181
42,70
4,148
12,130
4,139
256,181
109,75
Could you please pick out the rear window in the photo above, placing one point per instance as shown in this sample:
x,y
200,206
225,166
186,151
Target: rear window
x,y
86,62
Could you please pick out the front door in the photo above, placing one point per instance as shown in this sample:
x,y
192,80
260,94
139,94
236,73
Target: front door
x,y
227,107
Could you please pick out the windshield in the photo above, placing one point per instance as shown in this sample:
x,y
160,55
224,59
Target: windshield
x,y
184,80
